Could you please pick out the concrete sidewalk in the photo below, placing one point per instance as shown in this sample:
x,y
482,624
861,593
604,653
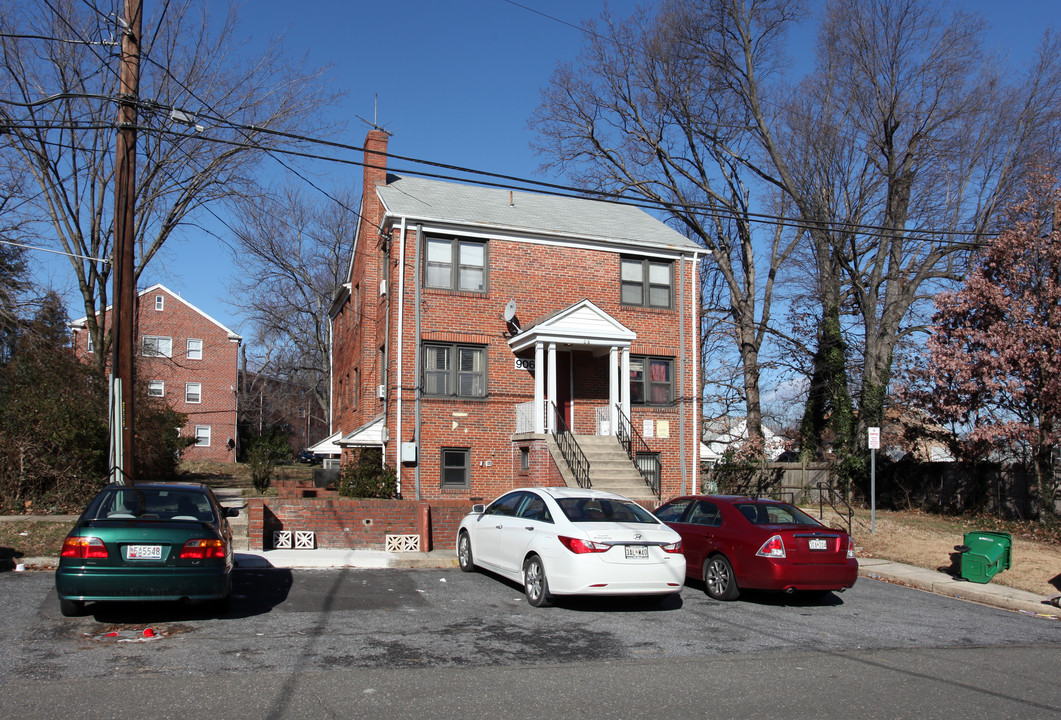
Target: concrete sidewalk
x,y
941,583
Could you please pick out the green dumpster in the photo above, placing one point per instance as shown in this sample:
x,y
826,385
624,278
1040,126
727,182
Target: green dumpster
x,y
985,554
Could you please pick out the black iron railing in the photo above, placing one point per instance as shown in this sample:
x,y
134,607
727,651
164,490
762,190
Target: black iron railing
x,y
569,449
829,495
646,461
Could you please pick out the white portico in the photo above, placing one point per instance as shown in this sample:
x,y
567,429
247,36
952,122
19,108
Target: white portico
x,y
582,326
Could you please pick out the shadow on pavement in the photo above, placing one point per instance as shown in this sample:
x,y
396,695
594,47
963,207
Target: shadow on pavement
x,y
254,592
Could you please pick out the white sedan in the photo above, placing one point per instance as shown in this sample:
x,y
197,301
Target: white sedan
x,y
568,541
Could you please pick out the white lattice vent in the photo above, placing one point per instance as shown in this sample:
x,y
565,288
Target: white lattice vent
x,y
297,539
403,543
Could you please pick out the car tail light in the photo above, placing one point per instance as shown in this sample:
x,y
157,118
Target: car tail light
x,y
580,547
83,547
850,548
772,548
203,549
674,547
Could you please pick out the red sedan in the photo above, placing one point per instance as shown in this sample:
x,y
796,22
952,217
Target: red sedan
x,y
734,543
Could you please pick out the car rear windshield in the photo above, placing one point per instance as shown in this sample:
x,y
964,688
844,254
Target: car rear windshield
x,y
604,510
152,504
774,514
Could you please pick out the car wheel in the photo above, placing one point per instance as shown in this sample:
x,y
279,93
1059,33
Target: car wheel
x,y
464,553
534,582
71,608
718,578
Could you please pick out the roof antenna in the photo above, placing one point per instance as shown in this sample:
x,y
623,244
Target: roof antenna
x,y
375,112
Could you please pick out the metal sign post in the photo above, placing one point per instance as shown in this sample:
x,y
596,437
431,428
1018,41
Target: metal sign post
x,y
874,445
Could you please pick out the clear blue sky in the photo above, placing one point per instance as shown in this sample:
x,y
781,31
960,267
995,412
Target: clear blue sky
x,y
455,81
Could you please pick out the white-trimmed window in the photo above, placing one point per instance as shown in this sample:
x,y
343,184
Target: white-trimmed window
x,y
193,392
160,302
156,388
89,345
202,436
157,346
195,349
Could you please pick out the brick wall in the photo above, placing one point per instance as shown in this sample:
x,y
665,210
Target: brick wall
x,y
356,523
544,275
215,371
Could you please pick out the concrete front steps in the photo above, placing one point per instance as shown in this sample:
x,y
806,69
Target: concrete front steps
x,y
609,469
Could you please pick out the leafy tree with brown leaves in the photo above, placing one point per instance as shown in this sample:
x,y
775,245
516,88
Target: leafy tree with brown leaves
x,y
994,357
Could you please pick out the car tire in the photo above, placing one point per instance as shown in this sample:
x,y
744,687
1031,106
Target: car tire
x,y
719,582
535,583
464,553
71,608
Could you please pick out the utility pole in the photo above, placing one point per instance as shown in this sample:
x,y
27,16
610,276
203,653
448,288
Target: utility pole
x,y
123,466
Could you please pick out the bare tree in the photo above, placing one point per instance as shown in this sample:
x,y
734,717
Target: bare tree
x,y
893,155
663,107
294,254
935,138
58,81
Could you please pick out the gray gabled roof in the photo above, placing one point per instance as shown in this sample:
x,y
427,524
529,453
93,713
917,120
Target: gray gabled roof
x,y
527,213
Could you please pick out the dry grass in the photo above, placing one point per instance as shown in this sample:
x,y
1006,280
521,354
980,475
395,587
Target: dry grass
x,y
928,541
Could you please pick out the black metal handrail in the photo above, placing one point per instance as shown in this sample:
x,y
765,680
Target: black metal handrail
x,y
833,498
639,452
569,449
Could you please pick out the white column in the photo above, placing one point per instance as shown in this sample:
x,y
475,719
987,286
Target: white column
x,y
624,384
613,390
539,388
550,414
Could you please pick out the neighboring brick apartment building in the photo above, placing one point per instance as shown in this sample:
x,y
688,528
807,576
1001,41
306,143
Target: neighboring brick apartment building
x,y
471,313
190,359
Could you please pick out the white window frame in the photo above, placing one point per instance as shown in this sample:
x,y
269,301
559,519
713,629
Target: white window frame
x,y
159,385
89,345
202,435
197,352
156,346
160,302
188,393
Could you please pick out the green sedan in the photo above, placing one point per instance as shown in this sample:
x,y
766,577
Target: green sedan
x,y
147,542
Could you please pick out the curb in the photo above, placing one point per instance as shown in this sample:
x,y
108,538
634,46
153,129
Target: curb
x,y
939,583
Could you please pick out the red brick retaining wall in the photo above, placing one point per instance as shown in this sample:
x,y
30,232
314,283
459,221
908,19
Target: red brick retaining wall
x,y
341,522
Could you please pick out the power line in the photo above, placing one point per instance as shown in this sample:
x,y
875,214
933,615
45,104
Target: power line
x,y
24,246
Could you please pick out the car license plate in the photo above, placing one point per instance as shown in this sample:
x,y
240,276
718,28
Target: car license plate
x,y
818,544
636,552
143,552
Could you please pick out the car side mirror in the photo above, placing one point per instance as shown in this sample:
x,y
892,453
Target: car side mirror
x,y
479,508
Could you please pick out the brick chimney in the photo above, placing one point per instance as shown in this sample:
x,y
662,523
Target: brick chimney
x,y
375,174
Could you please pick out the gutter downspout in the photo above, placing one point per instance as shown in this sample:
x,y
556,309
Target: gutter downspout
x,y
401,356
416,356
681,376
697,395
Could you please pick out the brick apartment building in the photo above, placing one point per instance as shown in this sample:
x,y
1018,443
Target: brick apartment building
x,y
488,339
192,361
